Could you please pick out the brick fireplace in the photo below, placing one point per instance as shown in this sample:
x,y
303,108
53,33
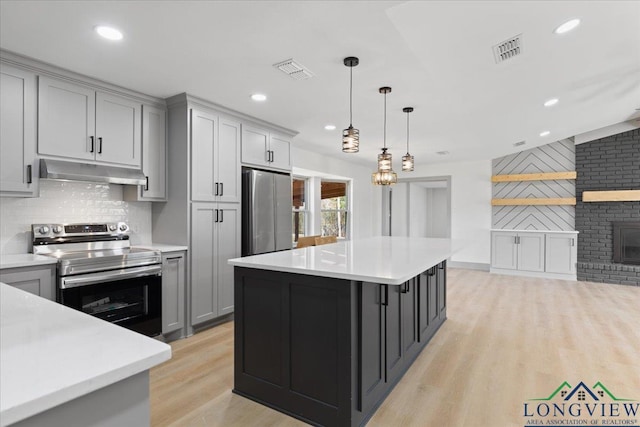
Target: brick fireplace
x,y
611,163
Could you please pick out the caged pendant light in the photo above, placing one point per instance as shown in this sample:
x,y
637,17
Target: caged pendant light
x,y
385,174
407,159
351,136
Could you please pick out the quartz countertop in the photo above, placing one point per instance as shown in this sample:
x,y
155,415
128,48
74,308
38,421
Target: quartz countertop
x,y
163,247
534,231
24,260
386,260
51,354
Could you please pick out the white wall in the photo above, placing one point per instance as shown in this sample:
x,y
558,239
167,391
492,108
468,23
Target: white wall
x,y
366,199
470,205
67,202
437,215
418,210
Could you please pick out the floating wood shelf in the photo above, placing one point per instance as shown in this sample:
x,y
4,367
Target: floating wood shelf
x,y
534,176
534,201
611,196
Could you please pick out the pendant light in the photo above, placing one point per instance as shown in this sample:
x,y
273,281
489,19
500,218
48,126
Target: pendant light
x,y
407,159
385,174
351,136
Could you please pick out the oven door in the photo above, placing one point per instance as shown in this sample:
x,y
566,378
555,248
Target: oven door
x,y
130,297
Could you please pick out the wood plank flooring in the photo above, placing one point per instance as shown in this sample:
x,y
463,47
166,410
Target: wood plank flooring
x,y
507,339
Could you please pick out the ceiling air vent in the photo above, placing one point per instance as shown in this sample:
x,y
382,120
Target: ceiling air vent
x,y
519,143
508,49
294,69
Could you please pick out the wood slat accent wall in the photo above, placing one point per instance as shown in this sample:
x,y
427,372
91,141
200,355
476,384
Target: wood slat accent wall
x,y
534,201
611,196
534,176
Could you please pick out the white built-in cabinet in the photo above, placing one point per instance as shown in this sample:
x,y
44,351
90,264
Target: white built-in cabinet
x,y
173,289
215,158
18,115
154,157
537,253
260,147
215,239
79,123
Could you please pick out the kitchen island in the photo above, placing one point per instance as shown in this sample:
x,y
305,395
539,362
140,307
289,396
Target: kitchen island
x,y
61,367
324,333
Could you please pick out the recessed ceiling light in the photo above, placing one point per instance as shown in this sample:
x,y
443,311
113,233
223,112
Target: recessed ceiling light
x,y
442,153
550,102
519,143
567,26
259,97
330,127
109,33
545,133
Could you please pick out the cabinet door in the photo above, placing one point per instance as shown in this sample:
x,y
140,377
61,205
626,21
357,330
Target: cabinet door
x,y
204,131
441,279
531,251
228,165
280,152
154,149
560,253
409,293
38,281
423,307
229,246
66,120
394,326
432,285
255,146
18,163
172,292
203,267
118,130
504,251
371,354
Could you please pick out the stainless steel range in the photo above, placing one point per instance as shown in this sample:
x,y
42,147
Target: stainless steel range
x,y
100,274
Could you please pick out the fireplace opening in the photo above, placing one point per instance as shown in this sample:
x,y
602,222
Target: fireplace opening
x,y
626,242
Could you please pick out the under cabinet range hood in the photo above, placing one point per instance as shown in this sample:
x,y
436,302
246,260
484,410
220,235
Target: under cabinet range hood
x,y
70,171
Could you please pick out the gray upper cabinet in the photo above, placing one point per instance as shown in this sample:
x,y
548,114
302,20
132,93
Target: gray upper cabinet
x,y
215,157
18,163
154,157
263,148
76,122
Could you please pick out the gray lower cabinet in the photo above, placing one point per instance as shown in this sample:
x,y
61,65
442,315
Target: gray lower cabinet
x,y
39,280
215,239
18,115
173,280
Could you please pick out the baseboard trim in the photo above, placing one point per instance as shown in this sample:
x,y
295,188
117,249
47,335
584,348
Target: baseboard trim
x,y
540,274
468,265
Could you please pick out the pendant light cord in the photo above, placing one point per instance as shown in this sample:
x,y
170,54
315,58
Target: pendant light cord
x,y
385,121
407,132
351,96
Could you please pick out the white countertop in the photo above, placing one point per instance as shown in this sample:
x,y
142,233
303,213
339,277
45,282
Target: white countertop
x,y
24,260
534,231
51,354
163,247
387,260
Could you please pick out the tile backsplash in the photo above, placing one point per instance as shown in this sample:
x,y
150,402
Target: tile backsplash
x,y
68,202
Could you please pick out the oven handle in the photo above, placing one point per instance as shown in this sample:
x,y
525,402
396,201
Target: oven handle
x,y
109,276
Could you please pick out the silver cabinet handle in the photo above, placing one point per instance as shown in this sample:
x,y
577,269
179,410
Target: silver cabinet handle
x,y
110,276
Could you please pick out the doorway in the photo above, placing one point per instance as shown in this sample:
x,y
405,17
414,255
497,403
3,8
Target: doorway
x,y
418,207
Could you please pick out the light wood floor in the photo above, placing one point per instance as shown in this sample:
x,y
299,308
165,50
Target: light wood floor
x,y
507,339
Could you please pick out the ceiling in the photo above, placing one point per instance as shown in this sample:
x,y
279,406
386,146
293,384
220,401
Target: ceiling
x,y
436,56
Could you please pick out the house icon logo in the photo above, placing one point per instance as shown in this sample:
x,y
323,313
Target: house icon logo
x,y
582,405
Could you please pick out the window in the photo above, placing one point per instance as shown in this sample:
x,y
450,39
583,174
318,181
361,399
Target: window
x,y
333,208
300,207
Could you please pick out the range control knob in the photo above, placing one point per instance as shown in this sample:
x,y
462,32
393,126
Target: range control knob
x,y
113,227
56,229
43,230
123,227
